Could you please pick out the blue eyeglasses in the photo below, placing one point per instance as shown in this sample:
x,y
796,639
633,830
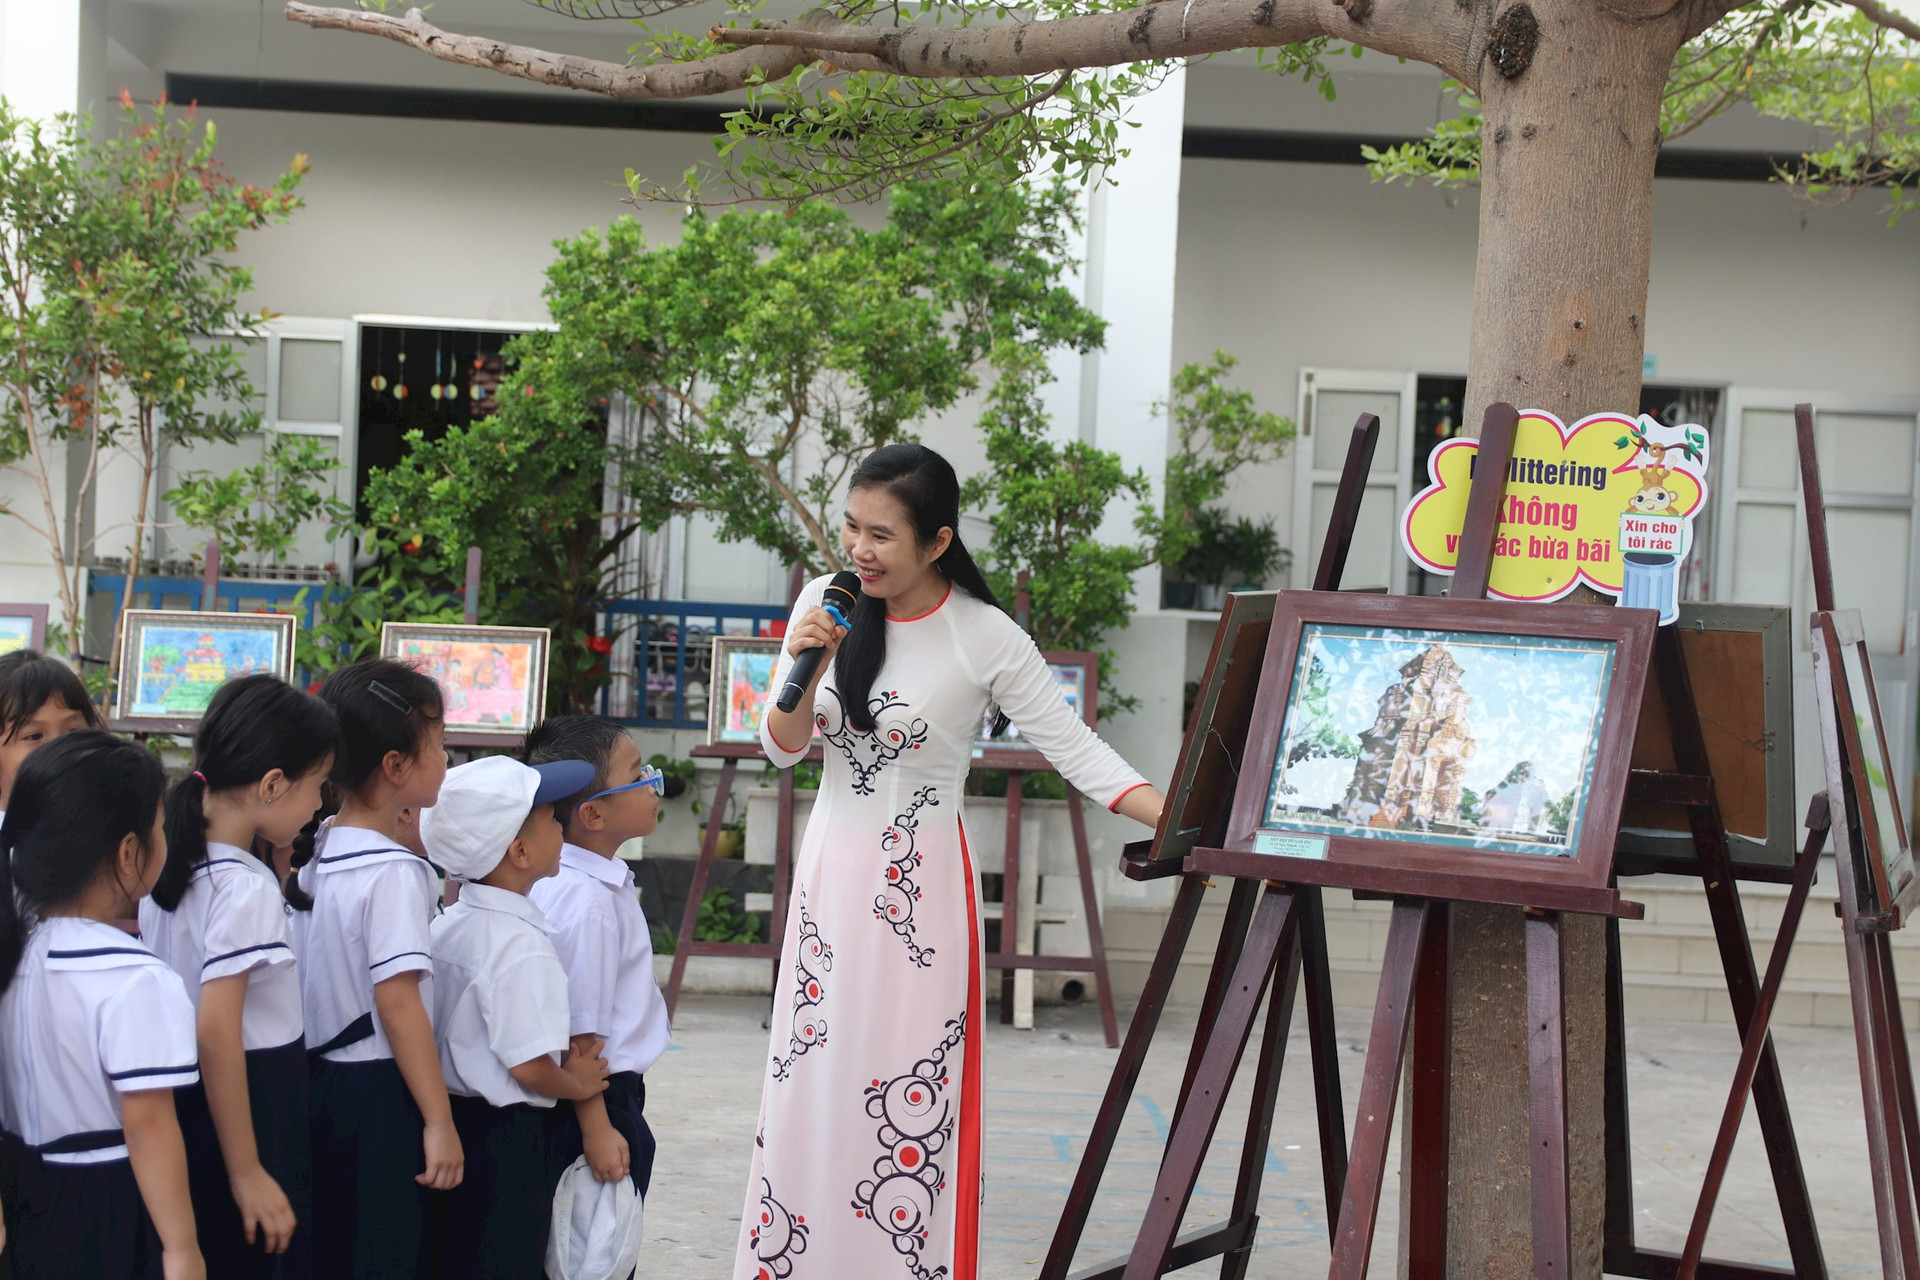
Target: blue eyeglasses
x,y
649,777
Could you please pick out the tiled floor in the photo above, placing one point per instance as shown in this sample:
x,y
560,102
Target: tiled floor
x,y
1043,1087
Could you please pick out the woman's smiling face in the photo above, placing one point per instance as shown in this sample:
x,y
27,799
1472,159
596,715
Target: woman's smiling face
x,y
879,538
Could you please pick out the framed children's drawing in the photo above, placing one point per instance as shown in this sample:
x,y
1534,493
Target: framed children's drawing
x,y
494,679
22,626
739,687
1464,749
1852,732
172,660
1077,676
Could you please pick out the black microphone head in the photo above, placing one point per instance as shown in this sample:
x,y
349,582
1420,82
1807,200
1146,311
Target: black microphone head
x,y
843,592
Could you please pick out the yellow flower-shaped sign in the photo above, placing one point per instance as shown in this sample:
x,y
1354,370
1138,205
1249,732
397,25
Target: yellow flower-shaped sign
x,y
1607,503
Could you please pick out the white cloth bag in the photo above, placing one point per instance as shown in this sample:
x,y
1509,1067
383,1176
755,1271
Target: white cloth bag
x,y
596,1227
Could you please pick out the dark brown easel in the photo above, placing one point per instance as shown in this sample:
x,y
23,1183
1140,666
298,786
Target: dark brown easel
x,y
1017,765
1870,909
733,753
1216,749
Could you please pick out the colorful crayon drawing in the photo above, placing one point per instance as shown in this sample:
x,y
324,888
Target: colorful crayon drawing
x,y
16,633
175,669
742,684
485,683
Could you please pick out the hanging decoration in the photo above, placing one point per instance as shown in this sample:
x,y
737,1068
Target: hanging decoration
x,y
379,380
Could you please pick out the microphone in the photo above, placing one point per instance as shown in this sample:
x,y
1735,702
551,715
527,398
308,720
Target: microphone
x,y
838,600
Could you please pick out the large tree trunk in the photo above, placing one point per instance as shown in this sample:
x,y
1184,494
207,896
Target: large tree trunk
x,y
1571,92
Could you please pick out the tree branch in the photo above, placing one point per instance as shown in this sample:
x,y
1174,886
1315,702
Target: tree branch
x,y
1888,18
704,77
1436,31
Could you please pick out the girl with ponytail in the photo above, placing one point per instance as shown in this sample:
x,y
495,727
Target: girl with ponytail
x,y
216,916
884,943
96,1032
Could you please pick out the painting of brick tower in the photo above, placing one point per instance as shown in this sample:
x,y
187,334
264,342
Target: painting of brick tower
x,y
1413,760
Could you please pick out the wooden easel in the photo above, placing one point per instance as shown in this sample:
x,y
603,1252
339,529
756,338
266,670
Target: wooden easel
x,y
1306,957
1017,765
733,753
1867,924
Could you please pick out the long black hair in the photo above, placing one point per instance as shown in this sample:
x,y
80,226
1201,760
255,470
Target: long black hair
x,y
382,706
254,725
29,680
924,483
74,800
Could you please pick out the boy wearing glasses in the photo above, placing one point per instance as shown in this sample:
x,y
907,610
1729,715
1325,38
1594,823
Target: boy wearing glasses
x,y
600,933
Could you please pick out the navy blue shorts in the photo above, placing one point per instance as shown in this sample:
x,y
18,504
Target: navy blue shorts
x,y
493,1226
626,1099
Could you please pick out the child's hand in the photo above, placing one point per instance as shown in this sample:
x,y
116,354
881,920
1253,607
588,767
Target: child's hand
x,y
263,1205
183,1264
607,1154
446,1163
587,1067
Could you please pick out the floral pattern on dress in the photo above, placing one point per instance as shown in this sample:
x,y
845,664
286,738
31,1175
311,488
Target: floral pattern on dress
x,y
812,961
895,905
896,731
916,1118
777,1238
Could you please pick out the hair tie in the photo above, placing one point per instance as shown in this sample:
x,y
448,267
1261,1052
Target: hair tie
x,y
197,774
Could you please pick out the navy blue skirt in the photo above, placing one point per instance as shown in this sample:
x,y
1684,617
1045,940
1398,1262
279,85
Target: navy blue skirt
x,y
277,1096
493,1226
369,1215
81,1220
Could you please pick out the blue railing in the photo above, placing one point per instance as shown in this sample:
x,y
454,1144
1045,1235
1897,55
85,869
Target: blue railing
x,y
231,595
672,649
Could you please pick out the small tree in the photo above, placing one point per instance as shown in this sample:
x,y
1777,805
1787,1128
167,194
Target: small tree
x,y
768,354
259,510
112,277
1050,500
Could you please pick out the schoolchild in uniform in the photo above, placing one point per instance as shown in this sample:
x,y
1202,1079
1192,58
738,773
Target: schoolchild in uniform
x,y
383,1137
500,1012
40,699
95,1031
216,915
601,935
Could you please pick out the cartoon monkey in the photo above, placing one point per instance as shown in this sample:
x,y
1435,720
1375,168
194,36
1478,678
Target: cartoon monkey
x,y
1655,497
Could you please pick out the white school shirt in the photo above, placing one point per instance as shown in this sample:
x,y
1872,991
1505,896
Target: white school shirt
x,y
597,927
91,1014
499,994
233,919
373,905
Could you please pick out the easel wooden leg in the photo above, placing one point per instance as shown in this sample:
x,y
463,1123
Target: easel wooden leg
x,y
1373,1128
1892,1194
1324,1047
1266,1086
1547,1085
1429,1103
1902,1060
697,891
1755,1044
1895,1107
1226,958
1617,1249
1274,927
1126,1074
1010,896
1090,909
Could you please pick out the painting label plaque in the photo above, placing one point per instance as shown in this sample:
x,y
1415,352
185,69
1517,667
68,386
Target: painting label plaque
x,y
1287,845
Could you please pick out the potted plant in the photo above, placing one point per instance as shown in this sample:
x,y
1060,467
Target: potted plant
x,y
733,829
1207,559
1252,553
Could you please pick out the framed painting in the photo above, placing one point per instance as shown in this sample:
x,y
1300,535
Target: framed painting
x,y
739,687
1077,676
1853,734
1463,749
1740,664
172,661
22,626
494,679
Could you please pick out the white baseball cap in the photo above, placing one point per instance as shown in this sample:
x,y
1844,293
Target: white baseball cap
x,y
483,805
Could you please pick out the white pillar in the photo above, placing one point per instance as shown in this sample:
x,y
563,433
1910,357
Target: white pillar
x,y
1129,244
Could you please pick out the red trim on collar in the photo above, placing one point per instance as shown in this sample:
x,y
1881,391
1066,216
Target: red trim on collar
x,y
929,613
